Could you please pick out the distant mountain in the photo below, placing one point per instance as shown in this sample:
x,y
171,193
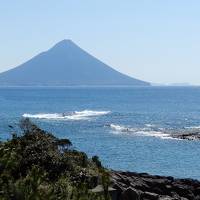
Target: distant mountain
x,y
179,84
63,65
172,84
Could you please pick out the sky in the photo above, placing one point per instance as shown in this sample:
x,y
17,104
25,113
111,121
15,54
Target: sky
x,y
153,40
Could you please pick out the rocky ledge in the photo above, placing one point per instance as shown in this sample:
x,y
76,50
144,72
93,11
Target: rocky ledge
x,y
187,136
142,186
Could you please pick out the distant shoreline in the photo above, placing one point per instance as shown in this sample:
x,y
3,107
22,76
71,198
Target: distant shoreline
x,y
97,86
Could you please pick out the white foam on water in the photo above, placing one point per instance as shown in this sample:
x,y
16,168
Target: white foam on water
x,y
77,115
192,127
120,129
43,115
152,133
149,125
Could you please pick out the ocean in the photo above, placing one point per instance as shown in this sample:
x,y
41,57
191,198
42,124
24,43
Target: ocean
x,y
127,127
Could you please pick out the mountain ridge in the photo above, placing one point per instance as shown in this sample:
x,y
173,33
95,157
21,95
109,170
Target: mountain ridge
x,y
65,64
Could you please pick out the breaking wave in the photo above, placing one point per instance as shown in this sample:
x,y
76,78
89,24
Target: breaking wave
x,y
76,115
119,129
192,127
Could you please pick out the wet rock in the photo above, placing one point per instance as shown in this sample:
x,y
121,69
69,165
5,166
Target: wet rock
x,y
187,136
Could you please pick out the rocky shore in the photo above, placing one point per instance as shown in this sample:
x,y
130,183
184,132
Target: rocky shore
x,y
34,164
187,136
142,186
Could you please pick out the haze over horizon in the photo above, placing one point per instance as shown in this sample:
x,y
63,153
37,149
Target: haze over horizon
x,y
154,41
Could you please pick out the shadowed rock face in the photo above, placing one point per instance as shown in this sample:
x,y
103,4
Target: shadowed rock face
x,y
66,64
141,186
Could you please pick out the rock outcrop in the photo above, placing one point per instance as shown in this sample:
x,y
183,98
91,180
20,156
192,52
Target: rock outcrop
x,y
187,136
142,186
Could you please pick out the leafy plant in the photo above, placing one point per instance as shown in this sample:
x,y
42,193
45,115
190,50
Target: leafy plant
x,y
35,165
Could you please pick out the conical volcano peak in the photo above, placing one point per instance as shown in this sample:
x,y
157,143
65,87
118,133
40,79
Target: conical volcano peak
x,y
66,43
65,64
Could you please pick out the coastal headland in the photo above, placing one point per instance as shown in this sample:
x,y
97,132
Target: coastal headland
x,y
34,164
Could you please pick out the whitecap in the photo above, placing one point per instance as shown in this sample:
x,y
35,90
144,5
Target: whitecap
x,y
120,129
76,115
152,133
149,125
192,127
43,115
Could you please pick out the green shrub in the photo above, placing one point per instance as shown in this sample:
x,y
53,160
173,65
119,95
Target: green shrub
x,y
35,165
96,160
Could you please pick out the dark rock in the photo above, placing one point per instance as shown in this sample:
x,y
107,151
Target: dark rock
x,y
183,190
197,197
166,198
131,185
130,194
187,136
150,196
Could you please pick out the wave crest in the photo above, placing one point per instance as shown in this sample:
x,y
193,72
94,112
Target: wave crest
x,y
119,129
76,115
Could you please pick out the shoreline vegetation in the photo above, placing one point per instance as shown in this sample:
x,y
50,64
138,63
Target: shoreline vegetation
x,y
35,165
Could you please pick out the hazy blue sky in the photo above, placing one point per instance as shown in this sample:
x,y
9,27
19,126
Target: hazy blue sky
x,y
154,40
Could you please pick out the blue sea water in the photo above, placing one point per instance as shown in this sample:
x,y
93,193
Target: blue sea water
x,y
127,127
